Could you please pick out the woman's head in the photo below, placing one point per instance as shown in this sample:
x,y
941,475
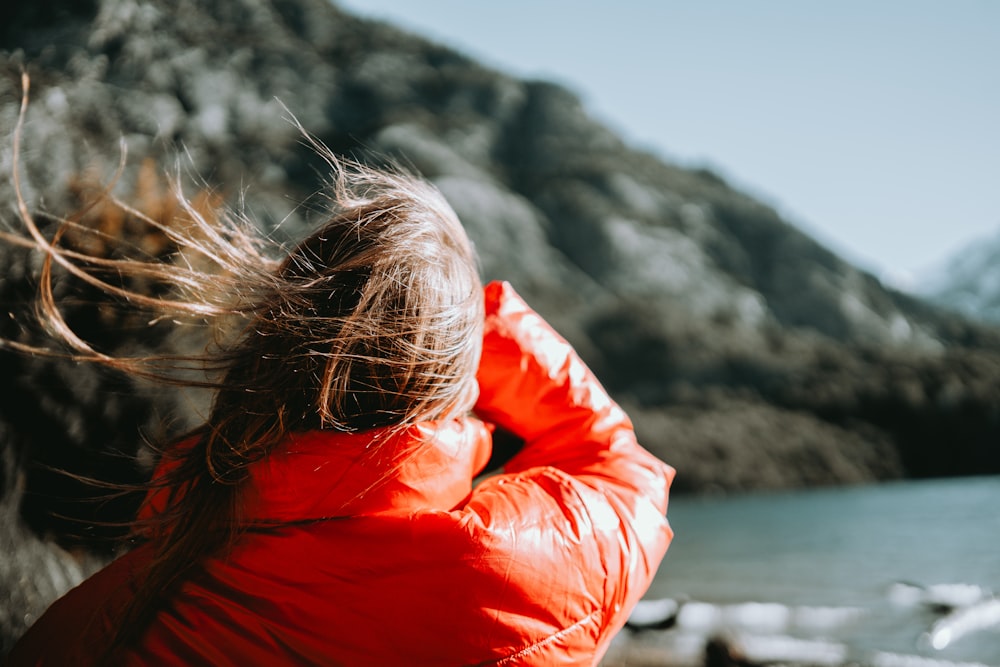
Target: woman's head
x,y
374,319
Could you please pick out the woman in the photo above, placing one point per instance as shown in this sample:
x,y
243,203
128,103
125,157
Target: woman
x,y
326,513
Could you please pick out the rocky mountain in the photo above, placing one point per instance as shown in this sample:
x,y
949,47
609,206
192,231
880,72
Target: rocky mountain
x,y
969,282
749,355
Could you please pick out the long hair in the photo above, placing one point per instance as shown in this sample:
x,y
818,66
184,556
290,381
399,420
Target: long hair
x,y
372,321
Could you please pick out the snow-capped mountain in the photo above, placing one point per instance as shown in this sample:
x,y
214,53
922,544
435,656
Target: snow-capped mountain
x,y
969,282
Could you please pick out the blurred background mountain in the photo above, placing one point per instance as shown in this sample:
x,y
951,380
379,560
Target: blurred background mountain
x,y
749,355
969,282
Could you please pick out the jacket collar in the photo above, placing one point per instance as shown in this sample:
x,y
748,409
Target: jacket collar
x,y
328,474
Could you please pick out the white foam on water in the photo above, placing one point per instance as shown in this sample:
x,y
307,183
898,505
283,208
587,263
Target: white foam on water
x,y
885,659
961,622
765,616
766,649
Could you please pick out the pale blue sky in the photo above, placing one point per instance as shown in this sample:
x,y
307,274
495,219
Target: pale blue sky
x,y
872,124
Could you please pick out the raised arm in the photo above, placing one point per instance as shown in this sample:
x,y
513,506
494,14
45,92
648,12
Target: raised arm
x,y
533,384
588,502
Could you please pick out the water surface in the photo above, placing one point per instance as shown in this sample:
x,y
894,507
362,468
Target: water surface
x,y
845,548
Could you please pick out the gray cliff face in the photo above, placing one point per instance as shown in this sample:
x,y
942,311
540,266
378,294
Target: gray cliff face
x,y
749,355
521,156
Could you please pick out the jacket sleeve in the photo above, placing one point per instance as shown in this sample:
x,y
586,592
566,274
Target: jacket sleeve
x,y
533,384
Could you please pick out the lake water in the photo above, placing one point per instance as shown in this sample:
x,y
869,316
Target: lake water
x,y
872,559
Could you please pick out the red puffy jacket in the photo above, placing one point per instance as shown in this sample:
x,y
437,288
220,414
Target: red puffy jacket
x,y
539,565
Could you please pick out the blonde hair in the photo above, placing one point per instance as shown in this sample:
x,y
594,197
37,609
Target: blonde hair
x,y
373,320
